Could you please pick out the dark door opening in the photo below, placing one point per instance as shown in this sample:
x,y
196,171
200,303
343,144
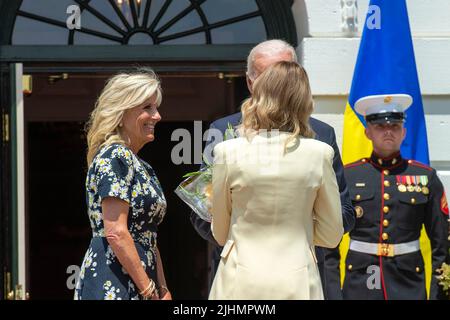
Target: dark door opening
x,y
59,231
58,222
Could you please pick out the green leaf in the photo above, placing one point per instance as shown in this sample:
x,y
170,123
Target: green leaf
x,y
192,174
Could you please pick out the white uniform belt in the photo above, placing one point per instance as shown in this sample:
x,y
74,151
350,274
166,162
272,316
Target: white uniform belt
x,y
384,249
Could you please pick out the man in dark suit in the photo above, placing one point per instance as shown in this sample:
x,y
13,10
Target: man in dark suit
x,y
261,57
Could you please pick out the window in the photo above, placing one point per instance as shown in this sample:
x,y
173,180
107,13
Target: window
x,y
140,22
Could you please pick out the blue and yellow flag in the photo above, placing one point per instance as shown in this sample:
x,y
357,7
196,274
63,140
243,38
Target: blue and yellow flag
x,y
386,65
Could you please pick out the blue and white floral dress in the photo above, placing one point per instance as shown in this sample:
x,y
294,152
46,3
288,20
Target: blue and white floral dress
x,y
117,172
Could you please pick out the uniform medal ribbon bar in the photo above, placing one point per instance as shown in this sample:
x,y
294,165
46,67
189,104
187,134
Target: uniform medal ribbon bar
x,y
401,186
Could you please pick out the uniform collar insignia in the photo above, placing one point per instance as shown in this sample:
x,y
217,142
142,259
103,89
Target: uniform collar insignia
x,y
388,162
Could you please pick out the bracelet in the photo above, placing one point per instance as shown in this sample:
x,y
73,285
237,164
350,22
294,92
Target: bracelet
x,y
149,291
149,296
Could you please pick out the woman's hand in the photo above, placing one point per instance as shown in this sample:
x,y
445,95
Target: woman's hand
x,y
166,296
155,296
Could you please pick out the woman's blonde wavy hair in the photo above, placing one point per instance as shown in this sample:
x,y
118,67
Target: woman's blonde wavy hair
x,y
122,92
281,100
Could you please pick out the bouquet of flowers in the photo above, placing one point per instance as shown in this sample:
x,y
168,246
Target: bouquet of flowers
x,y
196,189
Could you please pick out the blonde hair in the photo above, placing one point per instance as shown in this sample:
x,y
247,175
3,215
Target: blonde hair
x,y
281,100
269,48
122,92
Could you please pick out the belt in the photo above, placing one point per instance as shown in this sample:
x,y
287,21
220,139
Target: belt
x,y
384,249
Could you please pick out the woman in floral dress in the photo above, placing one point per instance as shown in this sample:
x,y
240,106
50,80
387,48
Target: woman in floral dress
x,y
124,197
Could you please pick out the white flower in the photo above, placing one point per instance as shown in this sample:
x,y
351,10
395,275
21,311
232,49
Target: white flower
x,y
115,187
96,216
91,199
88,262
104,169
92,183
124,193
153,192
110,295
138,187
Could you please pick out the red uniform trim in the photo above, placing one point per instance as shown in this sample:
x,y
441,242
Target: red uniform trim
x,y
357,163
420,165
444,204
381,239
383,285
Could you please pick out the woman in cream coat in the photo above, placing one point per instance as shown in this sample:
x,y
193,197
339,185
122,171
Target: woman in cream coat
x,y
275,195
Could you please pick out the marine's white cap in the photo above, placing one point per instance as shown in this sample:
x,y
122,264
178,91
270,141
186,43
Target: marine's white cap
x,y
384,107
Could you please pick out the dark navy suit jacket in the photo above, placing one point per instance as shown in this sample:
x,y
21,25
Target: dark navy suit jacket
x,y
324,133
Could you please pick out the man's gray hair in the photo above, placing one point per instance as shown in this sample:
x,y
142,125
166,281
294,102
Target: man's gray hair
x,y
268,48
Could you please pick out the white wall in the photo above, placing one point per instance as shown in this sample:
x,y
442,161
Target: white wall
x,y
428,18
329,57
323,57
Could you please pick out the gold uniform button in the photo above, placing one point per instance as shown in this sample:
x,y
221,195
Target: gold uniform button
x,y
409,161
359,212
350,267
417,269
413,201
387,183
385,209
358,197
386,172
364,160
386,196
385,223
384,236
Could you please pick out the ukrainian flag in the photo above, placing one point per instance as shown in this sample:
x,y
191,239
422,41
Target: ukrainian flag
x,y
386,65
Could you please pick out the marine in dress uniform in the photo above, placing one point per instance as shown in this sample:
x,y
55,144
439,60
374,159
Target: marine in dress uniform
x,y
393,198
